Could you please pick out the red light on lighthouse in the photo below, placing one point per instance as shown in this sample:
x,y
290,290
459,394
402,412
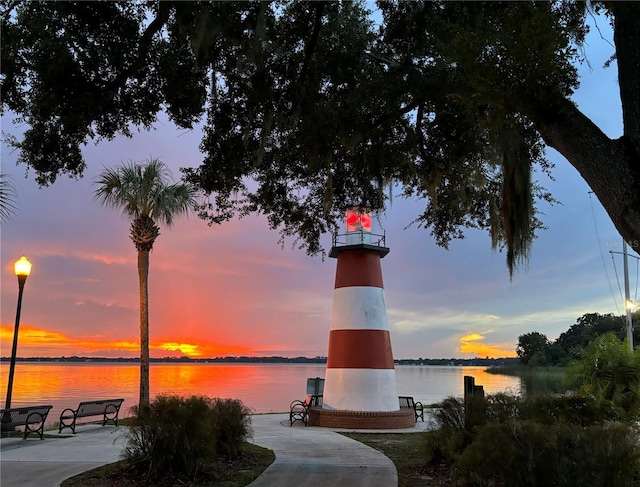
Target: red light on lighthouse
x,y
358,220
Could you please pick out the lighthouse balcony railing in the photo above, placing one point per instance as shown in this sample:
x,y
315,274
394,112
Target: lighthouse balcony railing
x,y
358,238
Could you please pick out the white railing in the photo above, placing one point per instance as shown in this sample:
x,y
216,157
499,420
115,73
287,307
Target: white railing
x,y
359,238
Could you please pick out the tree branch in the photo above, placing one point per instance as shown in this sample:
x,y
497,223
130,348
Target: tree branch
x,y
606,165
164,9
310,47
627,40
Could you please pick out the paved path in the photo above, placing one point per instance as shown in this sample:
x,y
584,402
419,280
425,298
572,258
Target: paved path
x,y
46,463
315,457
308,456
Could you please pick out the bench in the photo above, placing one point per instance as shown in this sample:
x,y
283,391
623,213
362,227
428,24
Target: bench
x,y
31,417
299,410
107,408
408,402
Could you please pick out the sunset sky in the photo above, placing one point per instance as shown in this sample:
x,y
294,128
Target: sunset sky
x,y
232,290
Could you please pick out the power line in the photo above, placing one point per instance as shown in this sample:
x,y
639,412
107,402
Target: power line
x,y
604,265
617,278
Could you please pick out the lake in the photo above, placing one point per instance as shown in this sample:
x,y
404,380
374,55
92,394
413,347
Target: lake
x,y
263,388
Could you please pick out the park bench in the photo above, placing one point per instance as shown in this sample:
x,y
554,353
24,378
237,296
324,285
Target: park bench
x,y
408,402
107,408
299,410
31,417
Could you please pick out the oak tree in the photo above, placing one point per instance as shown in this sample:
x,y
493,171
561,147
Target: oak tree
x,y
311,107
529,344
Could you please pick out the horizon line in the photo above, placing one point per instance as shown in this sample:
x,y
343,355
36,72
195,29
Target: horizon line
x,y
239,357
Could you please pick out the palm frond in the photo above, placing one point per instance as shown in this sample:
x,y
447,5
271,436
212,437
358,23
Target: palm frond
x,y
8,197
145,190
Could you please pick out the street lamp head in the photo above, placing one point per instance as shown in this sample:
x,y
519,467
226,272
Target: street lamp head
x,y
22,267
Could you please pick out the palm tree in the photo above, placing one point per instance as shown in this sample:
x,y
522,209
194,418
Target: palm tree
x,y
146,194
7,197
608,369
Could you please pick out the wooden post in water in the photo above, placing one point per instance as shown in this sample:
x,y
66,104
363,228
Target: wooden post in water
x,y
469,386
471,394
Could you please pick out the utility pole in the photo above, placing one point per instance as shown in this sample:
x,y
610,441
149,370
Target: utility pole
x,y
627,298
628,304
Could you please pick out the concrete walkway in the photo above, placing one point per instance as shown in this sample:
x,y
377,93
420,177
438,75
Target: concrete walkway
x,y
46,463
307,456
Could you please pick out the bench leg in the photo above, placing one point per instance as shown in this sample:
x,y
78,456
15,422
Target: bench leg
x,y
298,416
28,430
71,426
39,421
111,414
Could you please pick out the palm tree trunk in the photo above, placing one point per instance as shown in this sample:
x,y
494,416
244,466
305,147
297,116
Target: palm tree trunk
x,y
143,276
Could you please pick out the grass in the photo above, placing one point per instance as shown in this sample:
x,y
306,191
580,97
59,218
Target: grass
x,y
535,379
407,452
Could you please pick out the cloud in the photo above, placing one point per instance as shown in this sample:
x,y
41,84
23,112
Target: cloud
x,y
406,321
184,348
473,343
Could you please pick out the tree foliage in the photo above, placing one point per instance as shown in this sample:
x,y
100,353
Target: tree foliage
x,y
592,325
534,349
608,369
529,344
309,108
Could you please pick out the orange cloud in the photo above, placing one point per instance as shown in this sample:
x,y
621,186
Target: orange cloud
x,y
202,349
186,349
32,338
472,344
38,342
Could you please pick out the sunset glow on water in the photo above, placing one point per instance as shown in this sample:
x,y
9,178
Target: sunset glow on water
x,y
263,388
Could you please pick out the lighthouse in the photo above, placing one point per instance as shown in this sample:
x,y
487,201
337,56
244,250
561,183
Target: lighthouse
x,y
360,381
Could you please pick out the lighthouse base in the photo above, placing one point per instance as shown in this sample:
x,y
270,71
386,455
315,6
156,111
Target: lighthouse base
x,y
370,420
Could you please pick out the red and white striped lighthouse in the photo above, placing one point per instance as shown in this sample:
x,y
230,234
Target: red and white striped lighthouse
x,y
360,374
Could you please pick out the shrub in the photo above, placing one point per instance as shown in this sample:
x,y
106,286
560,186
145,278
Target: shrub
x,y
535,440
577,409
232,426
180,434
502,407
608,369
527,453
450,436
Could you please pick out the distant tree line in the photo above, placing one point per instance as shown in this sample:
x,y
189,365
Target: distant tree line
x,y
477,361
535,348
272,359
227,359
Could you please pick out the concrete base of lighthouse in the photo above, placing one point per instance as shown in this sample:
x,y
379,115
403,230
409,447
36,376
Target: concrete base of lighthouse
x,y
370,420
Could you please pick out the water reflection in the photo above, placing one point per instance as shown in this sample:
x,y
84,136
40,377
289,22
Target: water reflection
x,y
263,388
431,384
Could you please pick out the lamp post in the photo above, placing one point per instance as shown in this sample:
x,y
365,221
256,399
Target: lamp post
x,y
22,269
